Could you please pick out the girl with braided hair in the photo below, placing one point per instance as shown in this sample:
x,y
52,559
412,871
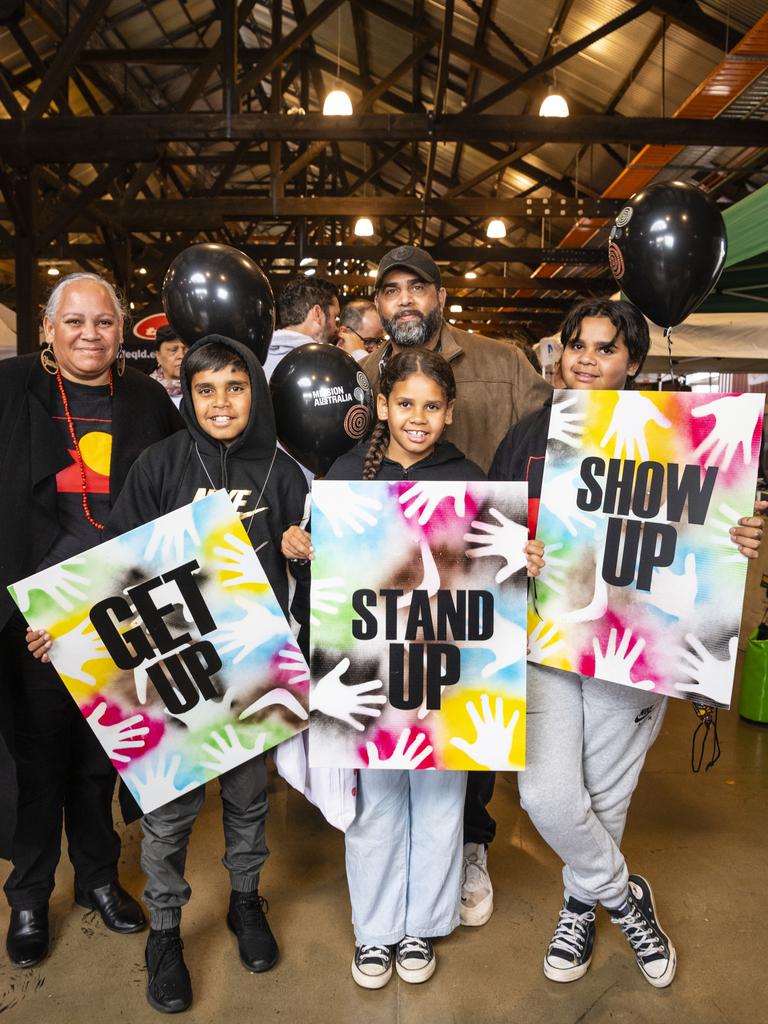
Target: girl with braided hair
x,y
404,849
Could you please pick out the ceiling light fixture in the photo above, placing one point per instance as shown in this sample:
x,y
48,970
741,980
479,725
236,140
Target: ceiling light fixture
x,y
496,229
363,227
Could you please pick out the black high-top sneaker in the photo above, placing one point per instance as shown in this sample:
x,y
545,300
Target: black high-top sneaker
x,y
169,987
570,948
654,953
247,919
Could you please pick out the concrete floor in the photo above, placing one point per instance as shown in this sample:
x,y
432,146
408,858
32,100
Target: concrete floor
x,y
700,839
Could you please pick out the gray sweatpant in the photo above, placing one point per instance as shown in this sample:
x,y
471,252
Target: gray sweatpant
x,y
166,837
586,742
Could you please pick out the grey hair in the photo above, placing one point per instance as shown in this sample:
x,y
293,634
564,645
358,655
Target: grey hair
x,y
54,299
352,314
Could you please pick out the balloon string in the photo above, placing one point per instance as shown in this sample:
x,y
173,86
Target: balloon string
x,y
668,336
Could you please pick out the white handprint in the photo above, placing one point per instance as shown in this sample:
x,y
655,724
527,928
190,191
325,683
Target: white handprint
x,y
631,415
553,573
617,662
158,786
507,541
493,742
169,533
253,628
559,498
403,756
721,528
713,678
337,700
345,508
324,597
240,559
596,608
62,586
227,751
543,641
118,736
425,497
430,581
70,652
674,593
200,715
734,427
278,695
566,426
295,664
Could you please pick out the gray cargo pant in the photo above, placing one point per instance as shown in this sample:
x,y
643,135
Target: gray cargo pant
x,y
166,837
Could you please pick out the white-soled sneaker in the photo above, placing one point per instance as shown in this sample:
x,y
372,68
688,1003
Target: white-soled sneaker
x,y
372,965
476,889
415,959
570,949
655,954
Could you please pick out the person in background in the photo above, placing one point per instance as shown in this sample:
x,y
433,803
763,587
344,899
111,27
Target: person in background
x,y
169,353
360,328
307,310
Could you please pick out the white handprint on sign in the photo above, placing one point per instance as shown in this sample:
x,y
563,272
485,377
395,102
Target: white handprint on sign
x,y
71,651
168,539
255,627
566,426
544,641
617,662
63,587
426,496
204,713
120,735
505,540
333,698
239,558
713,679
278,695
226,750
430,581
553,573
293,662
158,786
345,509
734,428
493,743
596,608
559,498
325,598
631,415
403,756
674,593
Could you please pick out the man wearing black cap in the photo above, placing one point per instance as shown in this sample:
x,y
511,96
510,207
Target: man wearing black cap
x,y
495,387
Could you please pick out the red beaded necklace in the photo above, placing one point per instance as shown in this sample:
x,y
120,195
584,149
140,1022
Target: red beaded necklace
x,y
78,456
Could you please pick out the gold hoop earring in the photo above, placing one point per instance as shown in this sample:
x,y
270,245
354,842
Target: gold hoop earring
x,y
120,360
48,359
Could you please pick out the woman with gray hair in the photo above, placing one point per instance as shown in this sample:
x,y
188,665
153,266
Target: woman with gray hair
x,y
73,420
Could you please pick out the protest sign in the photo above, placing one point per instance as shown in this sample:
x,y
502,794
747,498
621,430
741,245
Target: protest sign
x,y
172,644
643,585
418,625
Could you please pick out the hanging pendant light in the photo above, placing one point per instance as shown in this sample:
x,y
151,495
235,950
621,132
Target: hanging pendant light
x,y
496,229
554,105
363,227
337,104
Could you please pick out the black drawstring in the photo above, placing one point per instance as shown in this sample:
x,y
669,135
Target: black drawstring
x,y
707,720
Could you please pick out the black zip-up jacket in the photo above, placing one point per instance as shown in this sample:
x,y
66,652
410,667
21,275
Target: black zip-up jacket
x,y
520,456
174,472
446,462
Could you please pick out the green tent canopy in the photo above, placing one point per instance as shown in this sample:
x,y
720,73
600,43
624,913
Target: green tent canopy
x,y
743,286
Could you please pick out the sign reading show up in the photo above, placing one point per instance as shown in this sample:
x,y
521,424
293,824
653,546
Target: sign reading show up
x,y
418,625
642,584
172,643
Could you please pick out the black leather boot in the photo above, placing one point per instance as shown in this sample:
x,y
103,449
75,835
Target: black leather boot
x,y
119,911
27,941
247,919
169,987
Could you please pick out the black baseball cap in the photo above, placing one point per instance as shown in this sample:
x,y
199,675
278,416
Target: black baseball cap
x,y
413,258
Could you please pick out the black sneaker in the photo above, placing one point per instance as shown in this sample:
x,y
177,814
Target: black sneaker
x,y
169,988
415,959
655,954
570,948
247,919
372,965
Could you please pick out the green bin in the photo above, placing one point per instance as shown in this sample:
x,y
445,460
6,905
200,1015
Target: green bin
x,y
753,703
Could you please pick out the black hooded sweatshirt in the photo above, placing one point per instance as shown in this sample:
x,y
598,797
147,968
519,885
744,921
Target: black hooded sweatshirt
x,y
191,464
446,462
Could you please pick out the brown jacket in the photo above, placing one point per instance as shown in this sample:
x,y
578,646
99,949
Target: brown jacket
x,y
495,387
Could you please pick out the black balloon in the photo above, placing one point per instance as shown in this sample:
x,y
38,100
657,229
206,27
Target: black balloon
x,y
215,289
667,250
323,404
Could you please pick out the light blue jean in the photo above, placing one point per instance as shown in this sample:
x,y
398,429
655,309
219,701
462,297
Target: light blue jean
x,y
404,854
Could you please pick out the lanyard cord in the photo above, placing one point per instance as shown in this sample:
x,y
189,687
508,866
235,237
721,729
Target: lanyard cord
x,y
261,493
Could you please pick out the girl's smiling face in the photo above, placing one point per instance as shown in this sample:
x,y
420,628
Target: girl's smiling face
x,y
598,359
417,411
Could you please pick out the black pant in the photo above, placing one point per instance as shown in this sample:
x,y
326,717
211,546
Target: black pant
x,y
479,826
62,772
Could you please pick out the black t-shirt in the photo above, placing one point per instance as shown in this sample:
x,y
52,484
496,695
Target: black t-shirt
x,y
91,411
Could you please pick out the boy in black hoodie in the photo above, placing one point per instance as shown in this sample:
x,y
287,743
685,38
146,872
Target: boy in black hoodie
x,y
230,443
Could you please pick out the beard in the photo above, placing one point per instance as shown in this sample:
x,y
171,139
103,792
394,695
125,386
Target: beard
x,y
415,333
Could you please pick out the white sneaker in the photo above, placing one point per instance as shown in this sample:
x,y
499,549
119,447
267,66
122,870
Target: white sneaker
x,y
372,966
415,959
476,889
